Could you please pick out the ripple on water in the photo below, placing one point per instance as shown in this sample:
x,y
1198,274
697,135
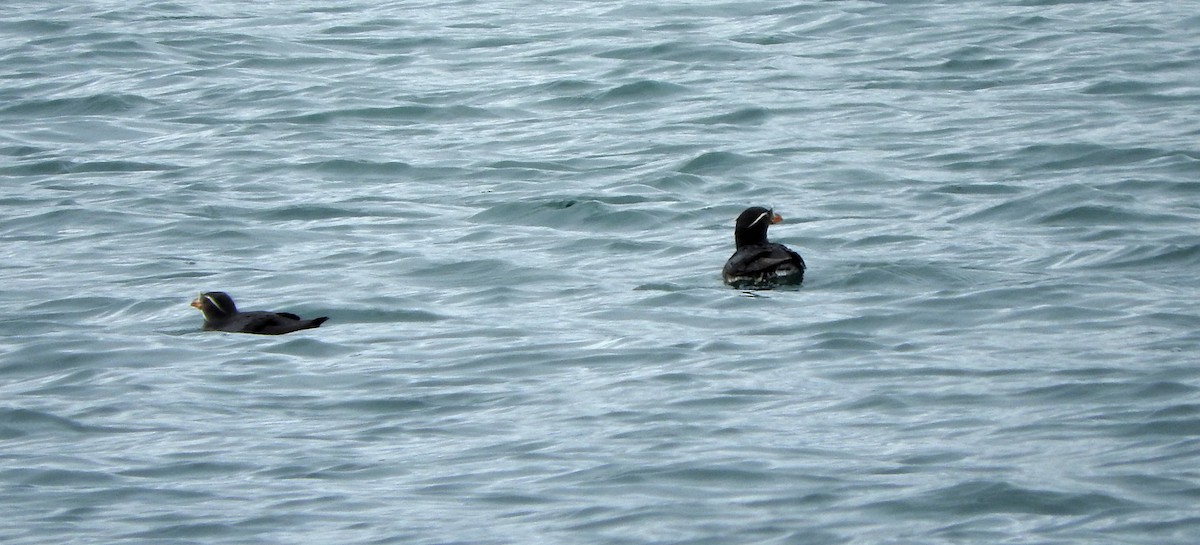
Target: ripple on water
x,y
515,216
982,497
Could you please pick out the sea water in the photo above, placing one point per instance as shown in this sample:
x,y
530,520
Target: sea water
x,y
515,216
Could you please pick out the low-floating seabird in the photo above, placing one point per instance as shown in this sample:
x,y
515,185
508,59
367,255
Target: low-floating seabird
x,y
220,314
757,263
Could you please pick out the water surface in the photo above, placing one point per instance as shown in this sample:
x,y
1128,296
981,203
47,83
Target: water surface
x,y
515,215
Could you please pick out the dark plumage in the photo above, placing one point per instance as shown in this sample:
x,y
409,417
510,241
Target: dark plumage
x,y
758,263
220,314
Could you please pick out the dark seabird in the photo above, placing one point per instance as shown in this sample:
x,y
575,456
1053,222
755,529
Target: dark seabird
x,y
757,263
220,314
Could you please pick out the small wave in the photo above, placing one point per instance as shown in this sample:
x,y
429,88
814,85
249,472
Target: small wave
x,y
60,477
21,151
1181,428
588,213
1078,392
376,405
715,162
88,105
993,497
532,165
1106,215
22,422
570,87
186,469
1042,157
63,166
188,531
752,116
974,65
1154,256
311,212
775,38
480,272
640,91
35,27
408,114
1065,204
979,189
1158,256
497,42
383,316
1124,87
680,52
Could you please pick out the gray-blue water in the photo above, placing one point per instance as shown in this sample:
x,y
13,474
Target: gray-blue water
x,y
515,215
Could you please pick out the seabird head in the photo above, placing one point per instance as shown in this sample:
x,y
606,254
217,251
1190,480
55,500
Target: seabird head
x,y
215,305
751,225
